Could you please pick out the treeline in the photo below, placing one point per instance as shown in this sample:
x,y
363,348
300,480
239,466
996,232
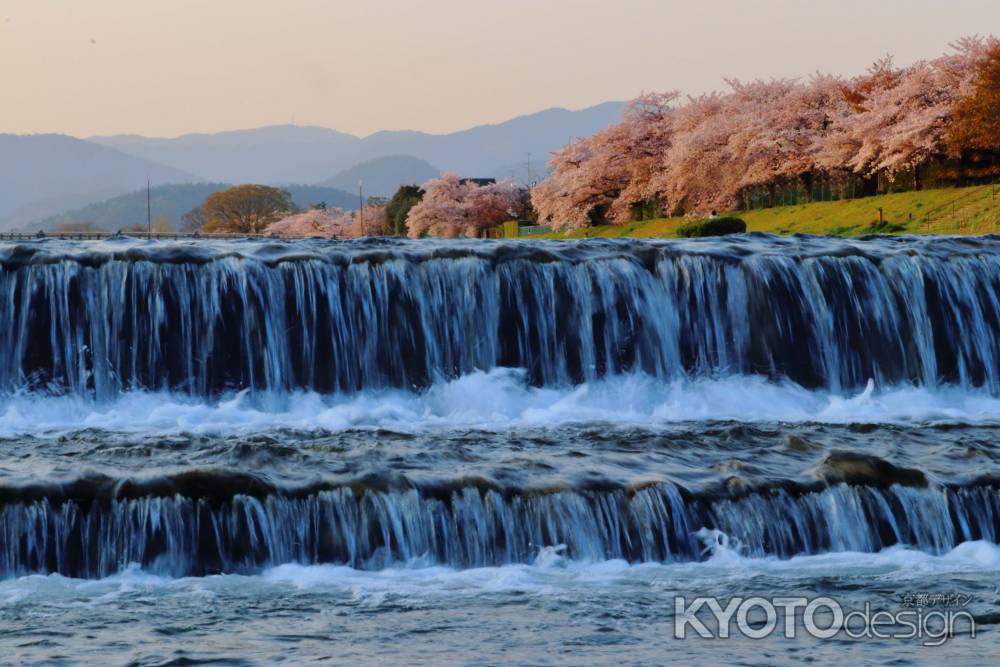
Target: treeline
x,y
762,143
243,209
174,208
262,209
446,206
825,137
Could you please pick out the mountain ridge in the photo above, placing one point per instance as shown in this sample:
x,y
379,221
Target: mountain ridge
x,y
40,168
173,201
45,175
382,176
280,154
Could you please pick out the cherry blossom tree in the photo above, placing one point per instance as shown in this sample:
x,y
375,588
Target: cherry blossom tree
x,y
609,171
329,222
904,119
779,124
334,223
582,180
442,210
705,153
453,206
374,222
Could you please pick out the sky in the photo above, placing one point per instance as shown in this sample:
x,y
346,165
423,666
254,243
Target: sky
x,y
170,67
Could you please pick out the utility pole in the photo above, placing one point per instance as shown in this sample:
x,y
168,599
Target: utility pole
x,y
149,210
361,205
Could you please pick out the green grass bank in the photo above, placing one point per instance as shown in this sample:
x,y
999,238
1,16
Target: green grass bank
x,y
970,210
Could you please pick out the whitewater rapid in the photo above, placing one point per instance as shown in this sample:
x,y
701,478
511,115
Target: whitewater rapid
x,y
390,451
501,399
550,574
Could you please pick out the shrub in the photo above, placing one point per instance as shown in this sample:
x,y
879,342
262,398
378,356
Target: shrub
x,y
712,227
406,197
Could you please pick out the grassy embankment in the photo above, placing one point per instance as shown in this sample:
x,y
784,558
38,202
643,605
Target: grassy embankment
x,y
971,210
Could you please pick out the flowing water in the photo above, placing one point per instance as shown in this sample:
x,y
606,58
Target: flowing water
x,y
399,452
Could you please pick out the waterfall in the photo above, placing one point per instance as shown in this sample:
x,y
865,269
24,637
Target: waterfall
x,y
341,317
469,526
203,320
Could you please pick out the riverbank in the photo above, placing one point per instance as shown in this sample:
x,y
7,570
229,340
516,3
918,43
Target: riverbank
x,y
971,210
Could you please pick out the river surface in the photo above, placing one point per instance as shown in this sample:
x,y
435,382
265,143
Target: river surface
x,y
494,453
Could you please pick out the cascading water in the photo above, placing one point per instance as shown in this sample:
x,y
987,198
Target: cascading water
x,y
330,318
379,437
100,321
470,527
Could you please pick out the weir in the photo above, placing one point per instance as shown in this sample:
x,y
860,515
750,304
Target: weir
x,y
367,528
203,319
103,319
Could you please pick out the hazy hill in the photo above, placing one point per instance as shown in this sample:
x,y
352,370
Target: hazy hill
x,y
45,175
305,196
382,176
491,150
278,154
39,210
291,154
39,172
173,201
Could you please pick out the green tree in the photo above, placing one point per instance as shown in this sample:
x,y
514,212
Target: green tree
x,y
976,124
406,197
245,209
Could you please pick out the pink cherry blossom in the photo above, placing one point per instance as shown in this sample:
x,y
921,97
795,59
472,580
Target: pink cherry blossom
x,y
453,206
332,222
706,152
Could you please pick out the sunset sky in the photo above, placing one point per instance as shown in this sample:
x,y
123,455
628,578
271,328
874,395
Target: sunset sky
x,y
164,68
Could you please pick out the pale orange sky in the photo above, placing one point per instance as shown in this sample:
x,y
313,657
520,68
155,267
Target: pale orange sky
x,y
165,68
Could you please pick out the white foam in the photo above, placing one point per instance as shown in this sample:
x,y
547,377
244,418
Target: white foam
x,y
500,399
549,574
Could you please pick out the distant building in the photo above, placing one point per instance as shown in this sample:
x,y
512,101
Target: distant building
x,y
479,181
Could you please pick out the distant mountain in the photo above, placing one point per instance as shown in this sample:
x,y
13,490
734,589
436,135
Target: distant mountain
x,y
39,174
278,154
524,173
38,210
291,154
45,175
306,196
382,176
130,209
173,201
490,150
